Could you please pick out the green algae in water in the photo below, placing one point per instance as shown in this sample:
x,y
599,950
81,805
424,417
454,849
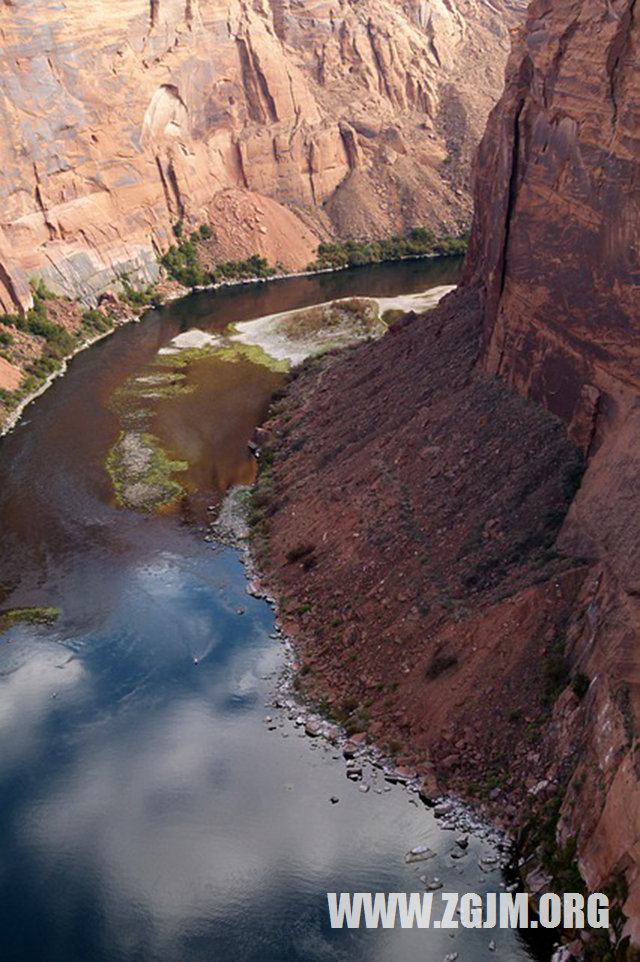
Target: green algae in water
x,y
148,387
141,472
234,352
27,616
175,360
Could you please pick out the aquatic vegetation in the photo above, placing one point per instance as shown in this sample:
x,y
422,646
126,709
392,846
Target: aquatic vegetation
x,y
27,616
152,387
236,351
182,357
142,473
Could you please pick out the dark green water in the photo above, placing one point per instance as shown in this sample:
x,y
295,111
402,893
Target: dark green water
x,y
147,812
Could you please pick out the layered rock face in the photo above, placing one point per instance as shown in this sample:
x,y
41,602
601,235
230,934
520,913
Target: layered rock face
x,y
557,228
279,123
555,250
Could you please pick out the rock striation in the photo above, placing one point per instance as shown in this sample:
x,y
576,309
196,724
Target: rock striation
x,y
279,123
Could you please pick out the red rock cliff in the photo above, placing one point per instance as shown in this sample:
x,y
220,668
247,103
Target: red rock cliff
x,y
557,200
555,252
278,123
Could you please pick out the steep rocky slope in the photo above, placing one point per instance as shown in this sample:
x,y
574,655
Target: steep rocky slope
x,y
556,251
280,123
448,605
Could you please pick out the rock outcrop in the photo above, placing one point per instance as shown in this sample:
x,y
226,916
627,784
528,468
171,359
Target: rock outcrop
x,y
278,123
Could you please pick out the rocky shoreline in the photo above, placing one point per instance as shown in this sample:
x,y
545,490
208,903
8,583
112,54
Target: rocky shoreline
x,y
335,551
365,762
231,528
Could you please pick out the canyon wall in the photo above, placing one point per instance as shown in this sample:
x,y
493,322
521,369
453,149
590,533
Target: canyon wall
x,y
469,597
555,251
279,123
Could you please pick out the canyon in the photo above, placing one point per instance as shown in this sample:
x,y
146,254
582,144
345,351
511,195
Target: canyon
x,y
280,124
448,516
468,595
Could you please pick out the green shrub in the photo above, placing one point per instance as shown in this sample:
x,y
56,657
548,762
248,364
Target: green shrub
x,y
6,339
42,367
135,297
95,321
420,241
182,263
37,322
580,684
40,289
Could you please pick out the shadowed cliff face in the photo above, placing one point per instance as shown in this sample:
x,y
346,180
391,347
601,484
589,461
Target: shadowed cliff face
x,y
278,123
557,227
555,249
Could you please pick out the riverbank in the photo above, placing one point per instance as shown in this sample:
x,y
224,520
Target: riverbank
x,y
362,757
405,518
116,310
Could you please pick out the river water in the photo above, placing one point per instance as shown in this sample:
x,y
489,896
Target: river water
x,y
147,811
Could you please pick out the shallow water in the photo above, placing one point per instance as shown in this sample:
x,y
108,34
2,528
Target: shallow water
x,y
147,811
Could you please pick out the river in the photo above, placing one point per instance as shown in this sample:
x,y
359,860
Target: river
x,y
147,810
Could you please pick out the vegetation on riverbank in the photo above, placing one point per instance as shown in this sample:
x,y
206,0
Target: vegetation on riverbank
x,y
58,343
27,616
420,242
182,262
37,344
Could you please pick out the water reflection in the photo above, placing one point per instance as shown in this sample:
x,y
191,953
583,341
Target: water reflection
x,y
148,814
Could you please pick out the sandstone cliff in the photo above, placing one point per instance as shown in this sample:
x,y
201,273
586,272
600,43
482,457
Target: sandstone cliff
x,y
280,123
555,250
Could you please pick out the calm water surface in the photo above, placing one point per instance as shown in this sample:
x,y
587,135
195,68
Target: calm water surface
x,y
146,811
